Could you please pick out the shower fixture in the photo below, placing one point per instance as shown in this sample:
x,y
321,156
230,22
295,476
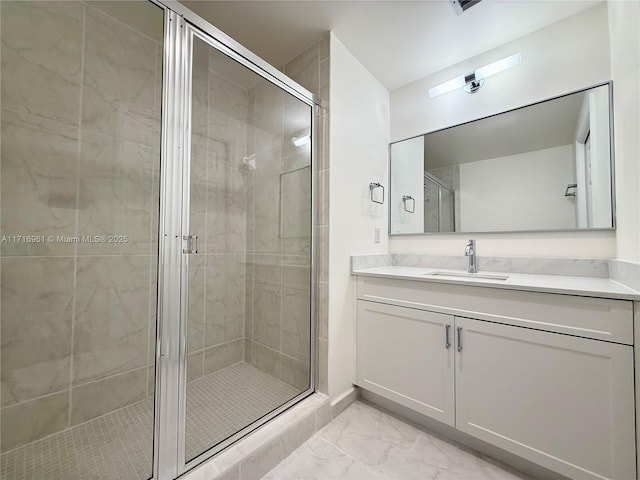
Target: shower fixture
x,y
250,161
301,140
471,82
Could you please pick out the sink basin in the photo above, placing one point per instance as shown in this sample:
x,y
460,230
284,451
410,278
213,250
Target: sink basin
x,y
483,276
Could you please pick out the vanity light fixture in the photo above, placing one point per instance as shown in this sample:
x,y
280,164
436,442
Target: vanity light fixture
x,y
460,6
472,82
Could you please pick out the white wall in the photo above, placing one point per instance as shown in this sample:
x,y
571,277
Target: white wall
x,y
407,163
518,192
560,58
359,133
624,24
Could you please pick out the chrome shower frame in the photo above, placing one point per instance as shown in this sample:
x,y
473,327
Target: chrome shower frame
x,y
441,186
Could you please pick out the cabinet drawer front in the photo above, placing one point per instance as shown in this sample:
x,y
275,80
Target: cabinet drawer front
x,y
597,318
402,356
563,402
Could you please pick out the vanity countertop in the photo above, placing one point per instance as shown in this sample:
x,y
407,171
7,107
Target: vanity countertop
x,y
583,286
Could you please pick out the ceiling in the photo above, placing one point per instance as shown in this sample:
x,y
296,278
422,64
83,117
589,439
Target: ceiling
x,y
537,127
397,41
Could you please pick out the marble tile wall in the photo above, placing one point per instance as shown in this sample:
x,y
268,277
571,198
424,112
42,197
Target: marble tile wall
x,y
626,273
321,234
215,330
81,133
277,336
579,267
359,262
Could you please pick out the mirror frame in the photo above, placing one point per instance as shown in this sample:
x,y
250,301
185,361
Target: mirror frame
x,y
611,162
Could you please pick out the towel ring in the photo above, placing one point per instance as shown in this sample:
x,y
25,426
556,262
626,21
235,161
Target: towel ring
x,y
372,187
567,193
406,198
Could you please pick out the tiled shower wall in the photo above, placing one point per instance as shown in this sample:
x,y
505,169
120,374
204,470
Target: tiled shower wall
x,y
311,69
278,229
80,156
254,304
215,331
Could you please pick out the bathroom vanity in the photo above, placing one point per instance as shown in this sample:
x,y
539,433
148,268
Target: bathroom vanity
x,y
541,366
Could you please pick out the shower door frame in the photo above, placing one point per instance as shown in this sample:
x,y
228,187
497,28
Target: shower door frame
x,y
181,26
430,178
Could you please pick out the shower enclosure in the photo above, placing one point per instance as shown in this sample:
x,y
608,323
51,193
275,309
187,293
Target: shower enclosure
x,y
439,206
157,263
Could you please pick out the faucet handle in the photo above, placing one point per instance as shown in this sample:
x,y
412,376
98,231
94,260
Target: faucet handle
x,y
470,249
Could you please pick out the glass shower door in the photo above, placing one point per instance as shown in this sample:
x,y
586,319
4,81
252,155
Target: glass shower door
x,y
247,250
447,210
431,206
81,94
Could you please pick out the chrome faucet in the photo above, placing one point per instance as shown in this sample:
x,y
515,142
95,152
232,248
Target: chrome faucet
x,y
470,251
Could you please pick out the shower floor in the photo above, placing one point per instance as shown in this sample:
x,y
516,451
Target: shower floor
x,y
118,444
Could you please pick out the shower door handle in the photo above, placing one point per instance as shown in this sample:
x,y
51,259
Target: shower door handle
x,y
191,244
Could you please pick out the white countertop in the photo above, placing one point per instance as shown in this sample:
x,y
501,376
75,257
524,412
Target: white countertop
x,y
584,286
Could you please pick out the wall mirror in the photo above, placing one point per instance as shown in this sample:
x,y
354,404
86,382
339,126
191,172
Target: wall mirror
x,y
541,167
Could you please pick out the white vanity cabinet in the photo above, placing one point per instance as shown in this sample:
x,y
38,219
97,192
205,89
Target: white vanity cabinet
x,y
402,355
564,401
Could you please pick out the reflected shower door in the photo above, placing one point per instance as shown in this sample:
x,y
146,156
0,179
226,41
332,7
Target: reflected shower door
x,y
81,94
447,210
431,206
248,322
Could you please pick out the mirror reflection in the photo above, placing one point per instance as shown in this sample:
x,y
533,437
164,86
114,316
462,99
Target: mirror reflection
x,y
542,167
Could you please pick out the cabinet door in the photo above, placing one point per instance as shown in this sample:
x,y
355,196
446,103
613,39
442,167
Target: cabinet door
x,y
563,402
403,356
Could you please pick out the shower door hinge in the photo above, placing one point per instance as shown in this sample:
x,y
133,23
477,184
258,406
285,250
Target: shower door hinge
x,y
191,244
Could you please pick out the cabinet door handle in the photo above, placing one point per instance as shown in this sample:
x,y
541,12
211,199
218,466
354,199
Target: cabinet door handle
x,y
459,329
447,343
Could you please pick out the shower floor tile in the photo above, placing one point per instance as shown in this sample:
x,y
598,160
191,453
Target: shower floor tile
x,y
118,445
220,404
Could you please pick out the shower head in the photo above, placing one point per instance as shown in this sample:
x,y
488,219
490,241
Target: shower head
x,y
250,161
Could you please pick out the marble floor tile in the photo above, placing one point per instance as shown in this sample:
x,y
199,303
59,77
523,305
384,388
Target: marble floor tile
x,y
317,459
365,443
371,436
